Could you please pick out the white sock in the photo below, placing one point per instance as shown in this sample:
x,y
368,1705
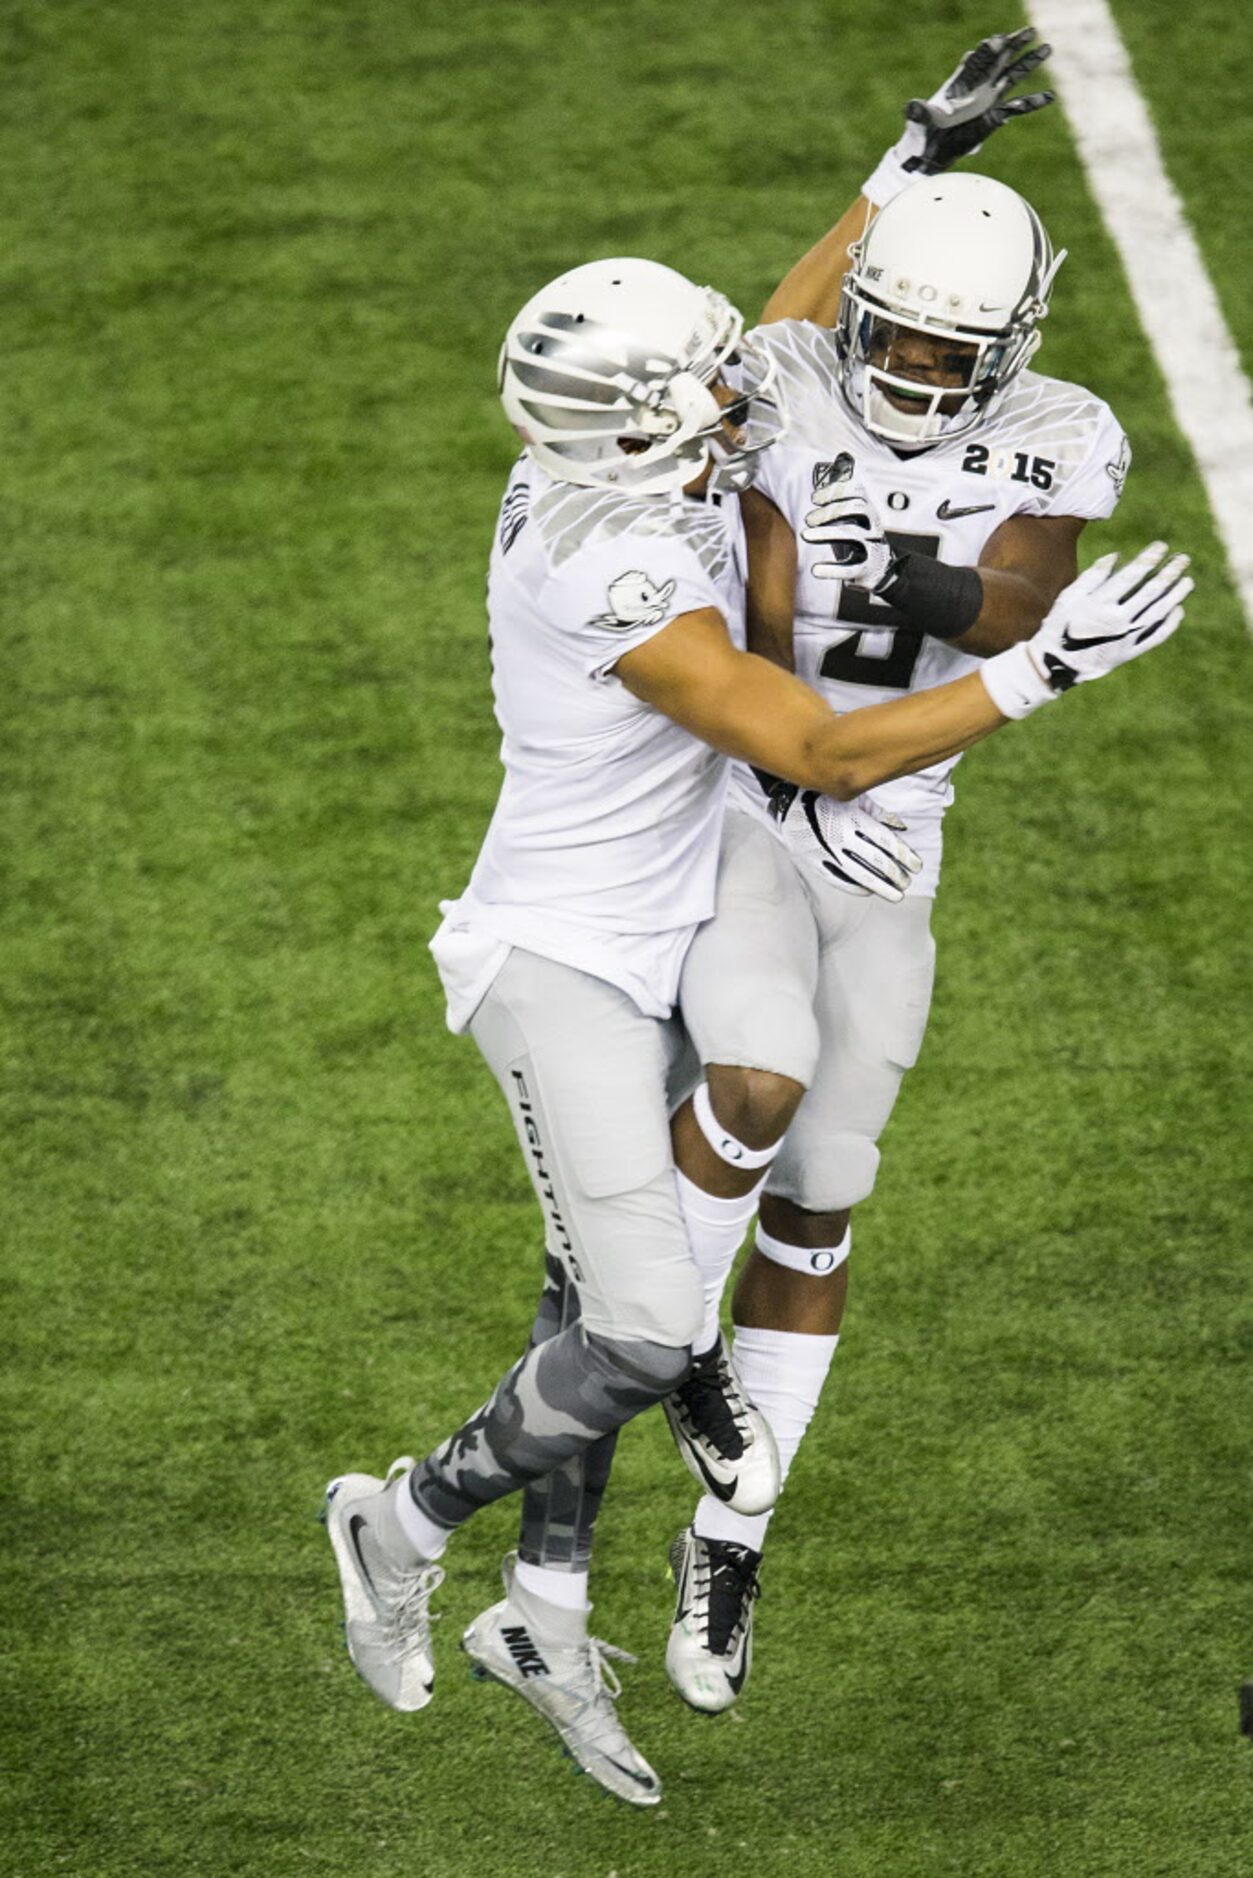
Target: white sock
x,y
715,1230
782,1372
422,1533
567,1590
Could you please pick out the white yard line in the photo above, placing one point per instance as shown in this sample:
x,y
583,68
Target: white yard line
x,y
1173,293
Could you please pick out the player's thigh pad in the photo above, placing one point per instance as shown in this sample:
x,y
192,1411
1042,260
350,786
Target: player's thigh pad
x,y
747,990
874,993
584,1074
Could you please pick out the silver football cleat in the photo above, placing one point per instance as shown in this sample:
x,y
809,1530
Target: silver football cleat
x,y
387,1588
544,1655
710,1651
725,1442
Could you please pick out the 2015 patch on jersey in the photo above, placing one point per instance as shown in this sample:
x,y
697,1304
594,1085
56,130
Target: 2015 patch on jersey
x,y
1017,466
635,600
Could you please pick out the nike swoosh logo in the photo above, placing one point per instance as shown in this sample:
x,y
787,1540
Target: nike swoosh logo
x,y
947,513
641,1780
719,1489
736,1682
354,1527
1070,644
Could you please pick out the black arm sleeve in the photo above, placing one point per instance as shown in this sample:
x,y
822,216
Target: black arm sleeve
x,y
934,597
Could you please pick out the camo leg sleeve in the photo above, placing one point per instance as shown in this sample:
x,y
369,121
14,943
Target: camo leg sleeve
x,y
559,1510
562,1398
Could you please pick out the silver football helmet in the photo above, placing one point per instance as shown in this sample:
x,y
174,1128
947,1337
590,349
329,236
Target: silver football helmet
x,y
608,375
958,259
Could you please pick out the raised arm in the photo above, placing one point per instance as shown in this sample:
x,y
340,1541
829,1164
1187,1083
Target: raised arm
x,y
811,289
952,123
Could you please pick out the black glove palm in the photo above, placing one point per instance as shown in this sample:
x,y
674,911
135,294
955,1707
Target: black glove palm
x,y
968,107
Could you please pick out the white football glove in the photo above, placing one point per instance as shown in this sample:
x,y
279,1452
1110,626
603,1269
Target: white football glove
x,y
1106,618
846,521
855,844
955,120
1110,615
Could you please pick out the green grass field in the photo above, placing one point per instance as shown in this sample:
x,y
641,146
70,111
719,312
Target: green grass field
x,y
263,1218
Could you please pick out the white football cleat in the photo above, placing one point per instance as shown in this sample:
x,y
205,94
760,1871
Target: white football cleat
x,y
725,1442
710,1651
544,1654
387,1588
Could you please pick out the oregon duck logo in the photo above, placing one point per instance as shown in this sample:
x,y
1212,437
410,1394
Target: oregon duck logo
x,y
635,600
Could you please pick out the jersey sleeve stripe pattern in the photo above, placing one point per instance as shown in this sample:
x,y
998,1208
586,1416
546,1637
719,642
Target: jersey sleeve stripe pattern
x,y
569,518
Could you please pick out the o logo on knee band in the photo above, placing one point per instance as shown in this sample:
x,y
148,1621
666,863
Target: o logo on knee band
x,y
816,1260
724,1144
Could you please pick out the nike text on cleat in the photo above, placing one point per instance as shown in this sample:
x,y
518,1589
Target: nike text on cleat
x,y
544,1655
387,1588
710,1651
725,1442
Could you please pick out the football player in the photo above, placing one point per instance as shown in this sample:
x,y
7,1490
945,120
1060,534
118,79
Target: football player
x,y
939,488
616,611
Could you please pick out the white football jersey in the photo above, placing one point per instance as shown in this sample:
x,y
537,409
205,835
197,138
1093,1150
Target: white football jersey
x,y
1049,448
603,850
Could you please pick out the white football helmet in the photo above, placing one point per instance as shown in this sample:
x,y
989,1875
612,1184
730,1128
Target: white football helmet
x,y
624,352
959,257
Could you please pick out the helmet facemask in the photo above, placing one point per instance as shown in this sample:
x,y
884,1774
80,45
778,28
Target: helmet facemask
x,y
867,336
750,423
924,271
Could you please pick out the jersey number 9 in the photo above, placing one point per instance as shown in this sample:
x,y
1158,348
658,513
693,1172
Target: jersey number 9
x,y
846,663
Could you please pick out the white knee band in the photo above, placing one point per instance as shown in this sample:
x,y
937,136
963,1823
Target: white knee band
x,y
721,1140
816,1260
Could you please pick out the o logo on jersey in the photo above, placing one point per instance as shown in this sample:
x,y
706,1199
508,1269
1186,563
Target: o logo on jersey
x,y
821,1261
898,500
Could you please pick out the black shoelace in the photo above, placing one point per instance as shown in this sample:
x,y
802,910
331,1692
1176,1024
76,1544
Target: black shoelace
x,y
733,1585
711,1401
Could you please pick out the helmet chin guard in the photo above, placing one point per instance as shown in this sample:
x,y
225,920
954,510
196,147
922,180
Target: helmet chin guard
x,y
607,375
958,258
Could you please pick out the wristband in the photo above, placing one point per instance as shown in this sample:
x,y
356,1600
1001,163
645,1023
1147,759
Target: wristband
x,y
1013,682
896,169
934,597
